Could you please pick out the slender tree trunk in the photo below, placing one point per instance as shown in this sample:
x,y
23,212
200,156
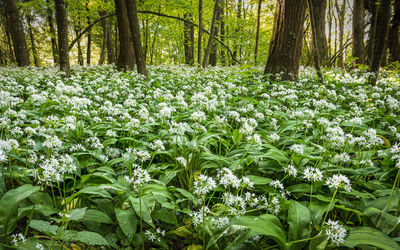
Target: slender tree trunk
x,y
199,48
238,29
372,31
153,46
319,12
32,38
317,55
394,42
329,30
381,35
358,31
17,33
136,36
341,10
126,58
188,39
52,31
104,45
89,38
286,41
62,28
80,54
211,36
257,30
222,32
214,45
109,44
9,43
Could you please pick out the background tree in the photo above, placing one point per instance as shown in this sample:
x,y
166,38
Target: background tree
x,y
62,32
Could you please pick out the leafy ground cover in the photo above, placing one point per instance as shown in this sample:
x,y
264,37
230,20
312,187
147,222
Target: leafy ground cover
x,y
216,159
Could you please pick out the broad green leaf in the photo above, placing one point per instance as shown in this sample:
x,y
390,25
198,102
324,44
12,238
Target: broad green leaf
x,y
381,220
9,205
142,209
299,221
97,215
370,236
76,214
259,180
126,220
86,237
44,227
165,215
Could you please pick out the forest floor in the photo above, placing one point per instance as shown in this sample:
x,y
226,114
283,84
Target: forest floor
x,y
220,158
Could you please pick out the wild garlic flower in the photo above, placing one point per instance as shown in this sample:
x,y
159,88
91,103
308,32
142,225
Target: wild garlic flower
x,y
182,161
236,203
312,174
139,178
203,185
339,181
297,149
290,170
276,184
335,232
157,145
3,156
198,116
220,222
155,236
341,158
18,239
199,216
52,142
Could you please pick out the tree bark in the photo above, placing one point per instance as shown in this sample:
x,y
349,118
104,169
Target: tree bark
x,y
358,31
211,36
52,31
214,45
317,55
341,10
32,38
188,39
319,12
80,54
109,44
126,58
62,28
222,32
237,29
200,32
286,41
373,9
17,33
394,42
136,36
257,31
89,37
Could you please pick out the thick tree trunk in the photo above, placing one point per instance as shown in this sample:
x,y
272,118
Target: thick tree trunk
x,y
32,38
222,32
188,39
136,36
257,31
372,31
62,28
89,38
286,41
17,33
126,58
317,55
199,48
52,31
237,29
341,10
109,44
319,12
381,35
104,45
80,54
211,36
358,31
214,45
394,42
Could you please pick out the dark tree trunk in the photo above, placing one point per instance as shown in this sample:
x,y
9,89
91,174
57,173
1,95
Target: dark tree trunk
x,y
32,38
319,12
188,39
17,33
89,38
109,43
80,54
214,45
222,58
136,36
257,31
394,42
62,28
153,46
381,35
104,45
358,31
341,10
329,30
200,32
237,30
126,58
52,31
9,43
317,55
211,36
286,41
372,30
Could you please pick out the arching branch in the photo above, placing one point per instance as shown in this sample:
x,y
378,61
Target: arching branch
x,y
152,13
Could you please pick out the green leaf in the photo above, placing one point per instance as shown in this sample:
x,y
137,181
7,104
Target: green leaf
x,y
142,209
165,215
97,215
266,224
89,238
126,220
9,205
44,227
259,180
381,220
370,236
77,214
299,221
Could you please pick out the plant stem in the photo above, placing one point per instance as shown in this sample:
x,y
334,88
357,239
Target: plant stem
x,y
330,204
391,193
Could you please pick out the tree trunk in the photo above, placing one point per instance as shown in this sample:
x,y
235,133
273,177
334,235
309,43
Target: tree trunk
x,y
341,10
89,37
32,38
188,39
381,35
329,30
214,45
394,42
211,36
222,32
257,30
372,30
317,55
17,33
319,12
286,41
104,45
358,31
131,8
126,58
238,29
62,27
52,31
200,32
80,54
109,44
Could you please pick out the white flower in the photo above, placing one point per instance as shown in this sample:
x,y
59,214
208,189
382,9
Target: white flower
x,y
297,148
52,142
3,156
203,185
312,174
335,232
198,116
290,170
220,222
157,145
338,181
139,177
199,216
182,161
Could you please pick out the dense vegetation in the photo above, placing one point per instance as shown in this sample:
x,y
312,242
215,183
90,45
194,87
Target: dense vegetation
x,y
221,158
